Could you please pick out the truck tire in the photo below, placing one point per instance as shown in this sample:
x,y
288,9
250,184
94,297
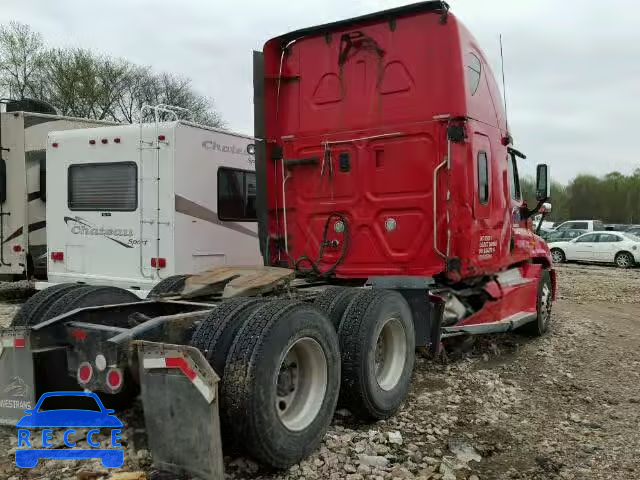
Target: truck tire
x,y
334,301
540,325
89,296
215,334
169,286
281,381
31,311
377,344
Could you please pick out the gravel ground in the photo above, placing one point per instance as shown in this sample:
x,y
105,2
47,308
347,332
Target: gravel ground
x,y
565,406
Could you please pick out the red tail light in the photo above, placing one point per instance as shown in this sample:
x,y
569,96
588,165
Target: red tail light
x,y
116,140
17,248
92,142
158,262
104,141
85,372
57,256
162,138
114,378
54,144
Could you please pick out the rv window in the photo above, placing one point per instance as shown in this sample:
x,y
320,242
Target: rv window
x,y
483,178
474,71
236,195
103,186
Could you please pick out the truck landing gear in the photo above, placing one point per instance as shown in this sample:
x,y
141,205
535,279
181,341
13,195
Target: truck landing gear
x,y
377,342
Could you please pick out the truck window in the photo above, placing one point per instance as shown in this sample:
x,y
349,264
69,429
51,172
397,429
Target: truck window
x,y
103,186
474,71
483,178
598,225
514,179
579,225
236,195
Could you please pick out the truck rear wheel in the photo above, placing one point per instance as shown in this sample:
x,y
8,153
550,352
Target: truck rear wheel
x,y
540,325
281,381
216,333
31,311
377,344
89,296
169,286
334,301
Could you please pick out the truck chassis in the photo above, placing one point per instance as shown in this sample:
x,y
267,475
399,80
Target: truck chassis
x,y
174,349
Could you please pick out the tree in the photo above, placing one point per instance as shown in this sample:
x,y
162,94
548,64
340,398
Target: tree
x,y
21,59
80,83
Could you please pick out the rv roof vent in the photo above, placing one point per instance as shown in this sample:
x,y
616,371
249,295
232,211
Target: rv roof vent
x,y
30,105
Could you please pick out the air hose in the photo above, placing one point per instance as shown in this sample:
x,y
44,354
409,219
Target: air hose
x,y
315,266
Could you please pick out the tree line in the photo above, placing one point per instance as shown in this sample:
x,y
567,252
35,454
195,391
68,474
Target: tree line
x,y
81,83
613,198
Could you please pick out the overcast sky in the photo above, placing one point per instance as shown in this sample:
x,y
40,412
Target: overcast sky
x,y
573,67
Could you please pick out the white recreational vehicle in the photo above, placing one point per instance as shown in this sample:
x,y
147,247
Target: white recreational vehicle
x,y
131,205
23,140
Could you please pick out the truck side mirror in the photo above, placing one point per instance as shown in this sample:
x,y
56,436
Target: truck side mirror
x,y
3,181
543,185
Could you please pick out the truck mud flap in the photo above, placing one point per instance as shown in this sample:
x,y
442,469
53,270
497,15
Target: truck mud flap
x,y
179,392
17,377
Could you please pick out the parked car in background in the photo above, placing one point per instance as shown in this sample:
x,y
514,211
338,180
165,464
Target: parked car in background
x,y
635,230
621,248
589,225
562,235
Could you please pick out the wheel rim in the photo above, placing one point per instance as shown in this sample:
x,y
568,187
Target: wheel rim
x,y
545,305
623,260
556,256
390,354
301,384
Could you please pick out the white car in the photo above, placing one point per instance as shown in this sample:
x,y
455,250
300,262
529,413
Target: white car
x,y
620,248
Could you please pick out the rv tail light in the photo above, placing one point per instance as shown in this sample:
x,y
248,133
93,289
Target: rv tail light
x,y
17,248
57,256
104,141
92,142
158,262
85,372
114,378
116,140
54,144
162,138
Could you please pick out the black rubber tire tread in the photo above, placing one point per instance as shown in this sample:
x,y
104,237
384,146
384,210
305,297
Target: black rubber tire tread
x,y
31,311
537,327
169,285
247,385
89,296
355,346
216,333
334,301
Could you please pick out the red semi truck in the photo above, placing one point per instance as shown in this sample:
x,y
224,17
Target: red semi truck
x,y
390,217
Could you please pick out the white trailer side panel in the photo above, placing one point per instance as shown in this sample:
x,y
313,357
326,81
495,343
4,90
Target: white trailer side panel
x,y
202,240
